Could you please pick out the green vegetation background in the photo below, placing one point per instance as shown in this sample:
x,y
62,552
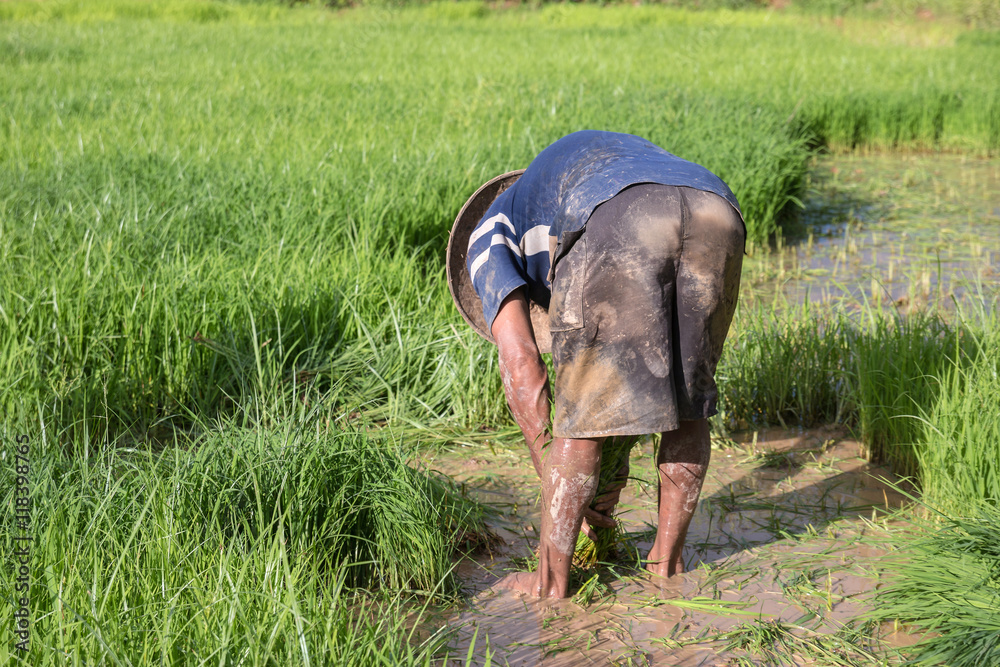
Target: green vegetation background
x,y
202,182
224,224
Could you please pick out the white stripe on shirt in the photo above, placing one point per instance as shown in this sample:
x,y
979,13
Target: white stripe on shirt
x,y
535,240
498,239
489,225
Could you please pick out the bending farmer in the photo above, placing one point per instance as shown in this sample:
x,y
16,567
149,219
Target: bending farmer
x,y
624,260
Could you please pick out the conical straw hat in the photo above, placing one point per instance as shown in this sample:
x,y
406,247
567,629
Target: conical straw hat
x,y
459,280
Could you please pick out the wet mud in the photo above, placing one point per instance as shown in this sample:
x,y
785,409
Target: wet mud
x,y
784,544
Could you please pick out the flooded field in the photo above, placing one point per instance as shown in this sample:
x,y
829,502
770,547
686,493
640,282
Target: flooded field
x,y
780,557
912,230
784,549
227,331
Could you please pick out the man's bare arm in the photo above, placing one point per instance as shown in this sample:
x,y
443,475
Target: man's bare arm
x,y
525,378
526,384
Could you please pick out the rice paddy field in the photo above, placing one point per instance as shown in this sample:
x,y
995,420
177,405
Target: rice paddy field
x,y
255,431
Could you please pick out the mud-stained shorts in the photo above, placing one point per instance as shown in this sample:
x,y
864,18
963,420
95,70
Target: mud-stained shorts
x,y
641,305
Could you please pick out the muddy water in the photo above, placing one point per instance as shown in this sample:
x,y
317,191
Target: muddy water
x,y
783,532
910,230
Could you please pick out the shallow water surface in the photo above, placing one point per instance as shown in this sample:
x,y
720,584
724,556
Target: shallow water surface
x,y
911,230
786,531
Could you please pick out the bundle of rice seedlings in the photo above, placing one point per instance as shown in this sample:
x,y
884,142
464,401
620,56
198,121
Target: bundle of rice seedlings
x,y
606,541
945,584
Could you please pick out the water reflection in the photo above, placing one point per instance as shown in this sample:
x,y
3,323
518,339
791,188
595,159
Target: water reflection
x,y
911,231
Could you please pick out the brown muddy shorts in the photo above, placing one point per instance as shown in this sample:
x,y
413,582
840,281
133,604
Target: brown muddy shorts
x,y
641,305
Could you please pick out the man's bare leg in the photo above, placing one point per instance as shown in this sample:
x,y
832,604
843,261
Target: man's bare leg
x,y
570,470
682,462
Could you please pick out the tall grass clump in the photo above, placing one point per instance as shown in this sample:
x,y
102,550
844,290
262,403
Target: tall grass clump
x,y
242,546
898,363
876,372
785,367
944,583
959,444
342,498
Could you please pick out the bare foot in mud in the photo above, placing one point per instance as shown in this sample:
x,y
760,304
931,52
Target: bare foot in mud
x,y
527,583
664,567
664,570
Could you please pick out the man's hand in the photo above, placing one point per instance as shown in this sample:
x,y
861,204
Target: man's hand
x,y
525,379
601,510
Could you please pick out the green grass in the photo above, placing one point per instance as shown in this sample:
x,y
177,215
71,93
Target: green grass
x,y
876,372
944,584
290,182
242,546
959,451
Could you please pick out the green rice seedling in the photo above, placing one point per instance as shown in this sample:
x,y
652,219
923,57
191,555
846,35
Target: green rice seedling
x,y
346,498
785,367
709,605
590,590
252,544
769,459
958,450
614,464
898,364
943,584
779,643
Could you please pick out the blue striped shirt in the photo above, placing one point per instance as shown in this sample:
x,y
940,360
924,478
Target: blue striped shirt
x,y
514,243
